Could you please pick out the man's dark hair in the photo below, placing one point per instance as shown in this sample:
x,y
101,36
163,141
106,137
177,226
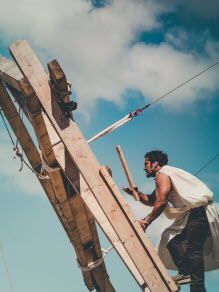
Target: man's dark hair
x,y
157,155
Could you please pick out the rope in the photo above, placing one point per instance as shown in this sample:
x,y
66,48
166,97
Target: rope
x,y
62,93
206,164
97,262
121,122
6,126
116,125
46,166
137,112
17,130
20,155
16,148
190,79
6,268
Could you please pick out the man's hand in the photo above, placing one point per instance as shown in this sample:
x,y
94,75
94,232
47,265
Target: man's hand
x,y
144,223
129,191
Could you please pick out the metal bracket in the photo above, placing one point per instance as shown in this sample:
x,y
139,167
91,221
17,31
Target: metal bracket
x,y
67,107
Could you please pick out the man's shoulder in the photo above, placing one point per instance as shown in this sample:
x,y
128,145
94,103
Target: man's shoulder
x,y
162,176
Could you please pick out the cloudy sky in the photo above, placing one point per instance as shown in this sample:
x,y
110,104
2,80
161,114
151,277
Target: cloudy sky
x,y
119,55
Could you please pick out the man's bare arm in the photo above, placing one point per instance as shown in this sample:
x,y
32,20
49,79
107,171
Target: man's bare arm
x,y
163,188
147,200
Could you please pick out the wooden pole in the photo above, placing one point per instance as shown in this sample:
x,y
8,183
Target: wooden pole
x,y
127,172
88,166
78,229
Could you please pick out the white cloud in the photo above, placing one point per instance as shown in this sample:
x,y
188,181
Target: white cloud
x,y
94,48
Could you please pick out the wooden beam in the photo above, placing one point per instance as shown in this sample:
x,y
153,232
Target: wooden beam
x,y
9,73
71,171
25,141
111,234
59,78
19,128
38,122
127,172
73,175
138,229
54,191
64,209
88,167
83,217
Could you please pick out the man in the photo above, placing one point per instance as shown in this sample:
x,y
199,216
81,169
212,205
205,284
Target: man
x,y
183,245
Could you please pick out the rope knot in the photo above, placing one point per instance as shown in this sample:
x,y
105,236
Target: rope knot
x,y
17,152
135,113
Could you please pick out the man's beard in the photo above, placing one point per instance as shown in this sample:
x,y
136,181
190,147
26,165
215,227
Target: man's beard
x,y
151,174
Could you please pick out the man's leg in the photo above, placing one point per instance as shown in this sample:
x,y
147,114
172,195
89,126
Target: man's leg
x,y
197,232
177,251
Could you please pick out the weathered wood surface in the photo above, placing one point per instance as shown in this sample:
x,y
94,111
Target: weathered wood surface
x,y
69,168
27,144
136,226
38,122
19,128
9,73
83,218
60,200
127,172
88,167
71,171
67,165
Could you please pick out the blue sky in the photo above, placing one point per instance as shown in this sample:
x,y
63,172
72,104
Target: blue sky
x,y
119,55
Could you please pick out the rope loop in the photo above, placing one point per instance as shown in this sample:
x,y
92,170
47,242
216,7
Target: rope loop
x,y
135,113
46,166
93,265
20,155
61,93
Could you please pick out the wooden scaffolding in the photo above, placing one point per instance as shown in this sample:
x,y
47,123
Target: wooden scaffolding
x,y
78,188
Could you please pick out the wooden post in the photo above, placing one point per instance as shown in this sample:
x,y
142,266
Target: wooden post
x,y
80,227
136,226
89,168
127,172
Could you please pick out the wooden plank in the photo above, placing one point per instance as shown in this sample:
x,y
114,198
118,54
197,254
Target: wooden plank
x,y
41,133
81,220
127,172
83,217
24,87
84,256
63,212
93,204
73,173
59,78
9,73
12,76
40,128
110,232
37,121
87,164
138,229
25,139
14,119
19,48
81,214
